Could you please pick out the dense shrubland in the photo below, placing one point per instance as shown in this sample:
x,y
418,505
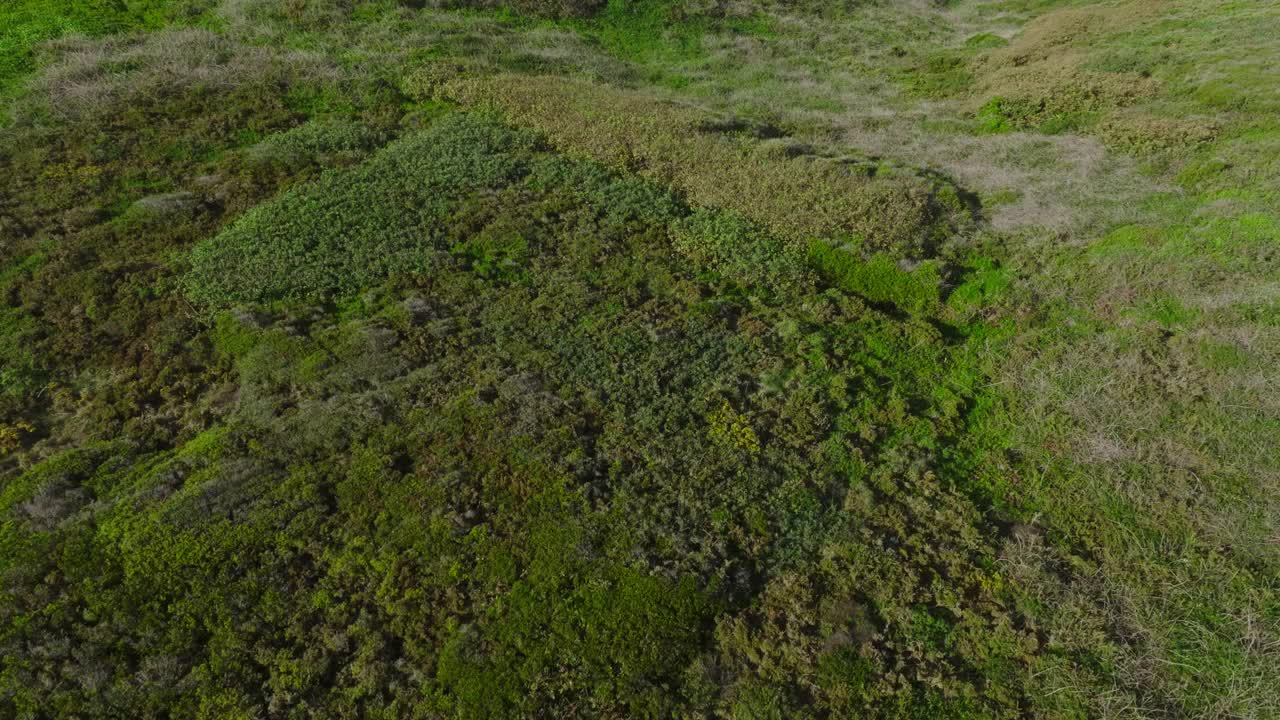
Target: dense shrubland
x,y
515,407
521,359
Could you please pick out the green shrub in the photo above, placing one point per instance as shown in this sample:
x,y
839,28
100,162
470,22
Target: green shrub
x,y
985,41
992,117
319,142
940,75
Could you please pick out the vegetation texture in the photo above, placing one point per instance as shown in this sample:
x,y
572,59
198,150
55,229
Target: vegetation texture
x,y
619,359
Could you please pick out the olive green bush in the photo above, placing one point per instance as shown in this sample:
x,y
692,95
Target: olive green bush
x,y
796,198
351,229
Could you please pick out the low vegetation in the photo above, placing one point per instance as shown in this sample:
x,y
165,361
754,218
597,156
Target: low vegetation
x,y
579,358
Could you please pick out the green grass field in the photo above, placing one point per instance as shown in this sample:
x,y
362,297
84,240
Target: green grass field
x,y
624,359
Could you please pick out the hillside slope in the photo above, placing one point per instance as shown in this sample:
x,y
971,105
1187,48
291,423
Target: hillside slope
x,y
564,358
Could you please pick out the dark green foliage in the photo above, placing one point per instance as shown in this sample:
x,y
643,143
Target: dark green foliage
x,y
21,373
351,228
625,635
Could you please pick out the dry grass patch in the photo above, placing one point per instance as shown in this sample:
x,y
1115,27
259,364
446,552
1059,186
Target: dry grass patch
x,y
93,78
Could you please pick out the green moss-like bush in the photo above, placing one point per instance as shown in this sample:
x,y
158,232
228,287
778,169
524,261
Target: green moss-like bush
x,y
538,8
321,142
738,249
879,279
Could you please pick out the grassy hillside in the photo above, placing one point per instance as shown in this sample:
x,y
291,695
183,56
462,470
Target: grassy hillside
x,y
564,358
